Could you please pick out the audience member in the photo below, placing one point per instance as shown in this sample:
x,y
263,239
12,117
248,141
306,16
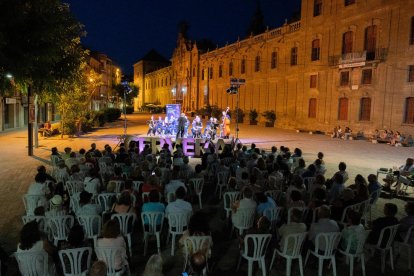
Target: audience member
x,y
390,210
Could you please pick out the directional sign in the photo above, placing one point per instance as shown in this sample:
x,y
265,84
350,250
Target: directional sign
x,y
235,81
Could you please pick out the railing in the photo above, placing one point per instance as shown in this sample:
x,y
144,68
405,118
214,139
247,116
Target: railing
x,y
379,54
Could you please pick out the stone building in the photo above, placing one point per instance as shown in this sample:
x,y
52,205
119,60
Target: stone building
x,y
345,62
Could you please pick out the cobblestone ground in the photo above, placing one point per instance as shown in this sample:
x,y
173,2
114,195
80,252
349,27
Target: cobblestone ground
x,y
18,170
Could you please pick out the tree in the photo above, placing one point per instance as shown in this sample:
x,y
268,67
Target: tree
x,y
131,92
40,46
257,25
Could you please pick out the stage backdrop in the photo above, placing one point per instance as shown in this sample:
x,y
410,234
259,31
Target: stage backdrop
x,y
173,110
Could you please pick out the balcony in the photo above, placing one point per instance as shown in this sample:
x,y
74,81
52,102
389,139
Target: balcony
x,y
358,59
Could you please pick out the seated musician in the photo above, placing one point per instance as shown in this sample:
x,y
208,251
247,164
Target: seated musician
x,y
160,125
225,125
151,126
197,127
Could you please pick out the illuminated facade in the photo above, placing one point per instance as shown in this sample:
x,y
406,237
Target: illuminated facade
x,y
346,62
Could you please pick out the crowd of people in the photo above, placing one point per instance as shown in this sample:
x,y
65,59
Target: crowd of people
x,y
264,181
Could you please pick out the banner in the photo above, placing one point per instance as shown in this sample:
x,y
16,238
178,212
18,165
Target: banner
x,y
173,111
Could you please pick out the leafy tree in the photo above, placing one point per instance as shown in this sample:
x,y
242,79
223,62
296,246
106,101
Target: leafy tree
x,y
131,92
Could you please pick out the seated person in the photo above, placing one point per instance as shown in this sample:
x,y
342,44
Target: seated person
x,y
86,207
46,130
404,170
198,262
294,227
406,222
373,184
390,210
123,204
353,232
295,200
323,225
265,202
154,205
179,205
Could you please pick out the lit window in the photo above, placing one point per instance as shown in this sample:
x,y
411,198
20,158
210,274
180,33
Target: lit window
x,y
315,50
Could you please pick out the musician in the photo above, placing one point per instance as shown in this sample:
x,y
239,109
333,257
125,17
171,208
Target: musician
x,y
173,124
151,126
167,129
182,121
225,125
211,127
197,127
187,124
159,126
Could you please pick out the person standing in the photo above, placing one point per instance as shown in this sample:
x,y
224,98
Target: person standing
x,y
181,126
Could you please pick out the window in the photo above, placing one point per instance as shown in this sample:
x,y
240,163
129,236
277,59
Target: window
x,y
315,50
411,73
365,113
412,31
211,72
317,7
347,42
344,78
409,111
194,71
294,56
243,66
366,76
313,80
273,60
349,2
202,74
257,64
220,71
370,41
312,108
343,109
231,69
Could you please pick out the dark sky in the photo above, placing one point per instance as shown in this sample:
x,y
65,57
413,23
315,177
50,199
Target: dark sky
x,y
126,29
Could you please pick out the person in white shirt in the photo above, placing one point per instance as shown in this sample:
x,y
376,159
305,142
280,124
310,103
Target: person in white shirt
x,y
245,203
324,225
174,183
39,187
179,205
86,207
92,182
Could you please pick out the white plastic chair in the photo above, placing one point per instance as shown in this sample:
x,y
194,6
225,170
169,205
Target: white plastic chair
x,y
273,214
407,245
374,196
361,208
291,250
74,202
152,228
59,227
304,211
177,224
33,263
259,243
243,219
91,225
222,178
106,201
194,244
170,197
126,224
359,253
31,202
391,231
71,261
136,185
330,241
228,199
275,194
74,187
118,185
196,186
109,255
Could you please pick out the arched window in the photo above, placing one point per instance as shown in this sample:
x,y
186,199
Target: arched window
x,y
312,108
365,112
294,56
231,69
273,60
257,64
316,49
370,41
243,66
317,7
347,42
220,73
343,109
409,111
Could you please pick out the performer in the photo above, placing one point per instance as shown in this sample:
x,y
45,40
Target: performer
x,y
159,126
173,125
225,124
209,131
187,124
167,125
151,126
197,127
182,121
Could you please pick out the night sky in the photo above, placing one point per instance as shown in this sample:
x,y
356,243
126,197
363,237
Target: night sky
x,y
126,29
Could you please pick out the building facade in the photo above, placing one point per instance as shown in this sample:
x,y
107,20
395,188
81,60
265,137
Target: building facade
x,y
346,62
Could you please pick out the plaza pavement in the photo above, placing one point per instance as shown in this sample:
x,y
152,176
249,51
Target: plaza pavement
x,y
17,170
